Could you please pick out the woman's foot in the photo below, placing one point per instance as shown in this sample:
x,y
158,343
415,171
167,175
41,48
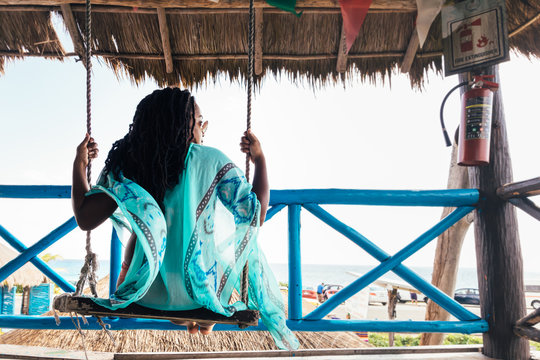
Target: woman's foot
x,y
191,326
206,328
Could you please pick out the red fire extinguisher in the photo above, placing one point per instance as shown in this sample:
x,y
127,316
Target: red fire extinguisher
x,y
475,127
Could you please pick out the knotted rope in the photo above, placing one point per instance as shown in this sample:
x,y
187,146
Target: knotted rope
x,y
88,271
251,53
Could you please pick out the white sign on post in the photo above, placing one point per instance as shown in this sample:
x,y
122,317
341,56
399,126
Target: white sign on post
x,y
474,35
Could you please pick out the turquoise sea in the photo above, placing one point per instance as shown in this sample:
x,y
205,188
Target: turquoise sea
x,y
312,274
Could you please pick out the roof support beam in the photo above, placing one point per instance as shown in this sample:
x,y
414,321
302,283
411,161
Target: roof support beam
x,y
224,4
258,41
341,63
187,11
199,57
164,31
73,30
410,53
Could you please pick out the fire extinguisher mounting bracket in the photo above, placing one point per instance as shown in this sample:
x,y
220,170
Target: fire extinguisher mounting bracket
x,y
482,81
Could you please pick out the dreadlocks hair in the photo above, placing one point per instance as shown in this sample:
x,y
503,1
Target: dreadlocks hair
x,y
154,150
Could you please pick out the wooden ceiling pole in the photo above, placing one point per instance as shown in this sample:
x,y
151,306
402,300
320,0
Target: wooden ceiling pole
x,y
223,4
73,30
341,63
201,57
164,30
258,41
114,9
410,53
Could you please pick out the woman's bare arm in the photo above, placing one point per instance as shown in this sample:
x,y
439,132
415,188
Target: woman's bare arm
x,y
251,146
90,211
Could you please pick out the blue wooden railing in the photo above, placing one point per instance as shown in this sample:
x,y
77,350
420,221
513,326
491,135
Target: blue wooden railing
x,y
464,200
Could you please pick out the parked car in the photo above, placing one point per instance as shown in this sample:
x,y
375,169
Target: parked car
x,y
532,295
378,294
330,290
467,296
309,293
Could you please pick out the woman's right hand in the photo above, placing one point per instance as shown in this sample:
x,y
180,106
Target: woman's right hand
x,y
87,150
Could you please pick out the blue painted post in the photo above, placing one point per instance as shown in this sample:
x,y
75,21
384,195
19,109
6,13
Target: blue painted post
x,y
295,264
37,248
116,261
38,263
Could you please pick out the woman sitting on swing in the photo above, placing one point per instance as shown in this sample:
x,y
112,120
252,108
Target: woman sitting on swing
x,y
193,217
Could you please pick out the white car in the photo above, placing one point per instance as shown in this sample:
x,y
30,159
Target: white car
x,y
532,295
378,294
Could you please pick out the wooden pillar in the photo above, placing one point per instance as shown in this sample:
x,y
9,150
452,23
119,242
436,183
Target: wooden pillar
x,y
392,302
448,252
25,300
498,251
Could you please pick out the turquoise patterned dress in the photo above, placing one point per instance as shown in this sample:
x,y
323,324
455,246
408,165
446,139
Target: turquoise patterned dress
x,y
192,254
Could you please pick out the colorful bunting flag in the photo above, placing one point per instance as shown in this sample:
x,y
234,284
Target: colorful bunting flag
x,y
286,5
427,12
353,12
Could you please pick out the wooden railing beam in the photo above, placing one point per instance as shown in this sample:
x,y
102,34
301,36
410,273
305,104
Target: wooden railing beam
x,y
519,189
528,206
529,333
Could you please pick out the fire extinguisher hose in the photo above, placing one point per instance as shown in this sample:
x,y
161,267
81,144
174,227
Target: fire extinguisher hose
x,y
445,133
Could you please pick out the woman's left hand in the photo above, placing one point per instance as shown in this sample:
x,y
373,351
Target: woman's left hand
x,y
86,151
249,144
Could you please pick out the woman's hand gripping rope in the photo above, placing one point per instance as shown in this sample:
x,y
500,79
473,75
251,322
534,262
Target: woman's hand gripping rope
x,y
250,145
86,151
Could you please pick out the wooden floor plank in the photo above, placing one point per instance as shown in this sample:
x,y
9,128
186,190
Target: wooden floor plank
x,y
21,352
413,352
458,352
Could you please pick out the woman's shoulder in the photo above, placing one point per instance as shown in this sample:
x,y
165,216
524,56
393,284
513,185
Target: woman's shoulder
x,y
208,153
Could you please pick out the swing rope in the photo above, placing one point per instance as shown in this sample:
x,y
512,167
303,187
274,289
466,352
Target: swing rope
x,y
88,271
251,49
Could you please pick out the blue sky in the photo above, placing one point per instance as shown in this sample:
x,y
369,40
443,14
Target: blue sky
x,y
360,137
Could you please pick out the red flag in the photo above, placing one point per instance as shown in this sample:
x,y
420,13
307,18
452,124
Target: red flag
x,y
353,13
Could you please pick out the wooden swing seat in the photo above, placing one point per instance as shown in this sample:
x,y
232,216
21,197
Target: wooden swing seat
x,y
85,306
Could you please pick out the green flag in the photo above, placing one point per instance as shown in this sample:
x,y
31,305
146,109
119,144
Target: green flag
x,y
286,5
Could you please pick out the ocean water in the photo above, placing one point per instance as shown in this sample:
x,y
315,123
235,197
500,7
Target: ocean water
x,y
312,274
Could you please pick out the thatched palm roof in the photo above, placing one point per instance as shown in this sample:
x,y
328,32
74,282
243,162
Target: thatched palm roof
x,y
208,38
27,275
167,341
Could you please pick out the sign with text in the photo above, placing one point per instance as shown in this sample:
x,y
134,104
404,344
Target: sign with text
x,y
474,35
